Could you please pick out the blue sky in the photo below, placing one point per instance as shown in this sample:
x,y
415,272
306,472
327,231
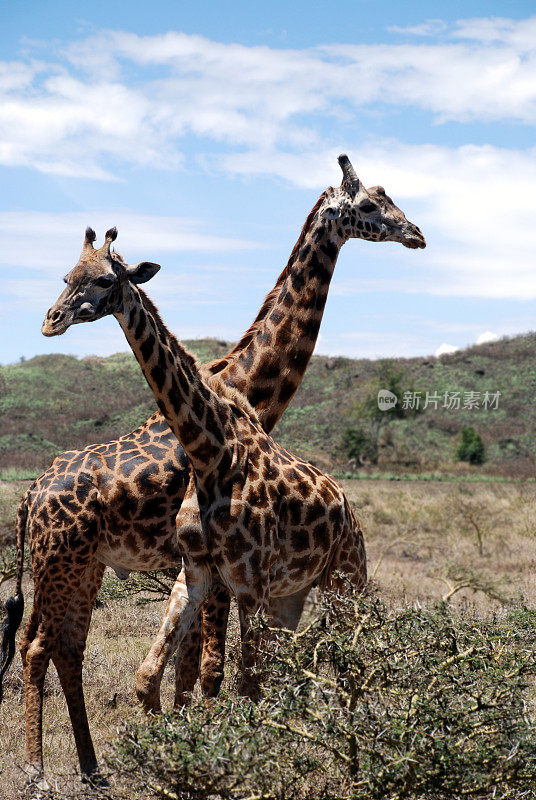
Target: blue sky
x,y
206,133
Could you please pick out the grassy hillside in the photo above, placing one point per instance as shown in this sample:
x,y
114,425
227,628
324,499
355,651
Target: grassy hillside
x,y
55,402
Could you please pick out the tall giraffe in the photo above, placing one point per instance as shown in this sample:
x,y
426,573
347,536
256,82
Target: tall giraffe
x,y
355,213
119,500
254,518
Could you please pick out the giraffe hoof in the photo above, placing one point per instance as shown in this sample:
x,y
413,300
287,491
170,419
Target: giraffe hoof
x,y
182,700
150,702
36,782
148,692
250,689
211,683
95,780
209,703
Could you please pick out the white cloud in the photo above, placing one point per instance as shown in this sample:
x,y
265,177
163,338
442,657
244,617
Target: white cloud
x,y
475,205
374,344
16,75
395,334
517,33
432,27
89,111
446,349
69,115
486,337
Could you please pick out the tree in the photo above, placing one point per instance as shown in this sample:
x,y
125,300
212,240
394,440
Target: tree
x,y
471,447
360,444
375,412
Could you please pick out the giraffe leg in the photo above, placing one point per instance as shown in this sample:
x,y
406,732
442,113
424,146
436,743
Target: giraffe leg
x,y
33,697
149,675
207,636
250,600
215,618
249,682
187,662
351,560
68,656
190,590
37,646
285,612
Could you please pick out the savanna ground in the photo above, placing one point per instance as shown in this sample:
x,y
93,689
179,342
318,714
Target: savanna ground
x,y
470,544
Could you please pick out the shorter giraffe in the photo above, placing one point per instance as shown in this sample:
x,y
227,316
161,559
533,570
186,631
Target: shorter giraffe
x,y
254,518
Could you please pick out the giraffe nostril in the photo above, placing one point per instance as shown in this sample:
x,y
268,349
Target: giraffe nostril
x,y
55,316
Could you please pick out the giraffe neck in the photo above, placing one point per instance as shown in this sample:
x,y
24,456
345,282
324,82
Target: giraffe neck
x,y
197,416
269,362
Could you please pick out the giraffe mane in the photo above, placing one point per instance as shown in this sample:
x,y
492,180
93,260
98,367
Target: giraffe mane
x,y
153,310
219,364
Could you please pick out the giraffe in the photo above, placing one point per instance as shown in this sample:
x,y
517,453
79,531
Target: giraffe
x,y
119,499
254,518
359,213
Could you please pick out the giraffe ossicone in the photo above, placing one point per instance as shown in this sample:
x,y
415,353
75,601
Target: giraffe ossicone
x,y
349,175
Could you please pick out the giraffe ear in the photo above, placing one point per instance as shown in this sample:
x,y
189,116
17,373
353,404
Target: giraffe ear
x,y
142,272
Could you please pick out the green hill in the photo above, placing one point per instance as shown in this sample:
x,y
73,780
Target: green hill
x,y
53,403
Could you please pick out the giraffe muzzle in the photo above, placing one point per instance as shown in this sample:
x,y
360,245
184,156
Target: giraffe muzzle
x,y
414,239
55,322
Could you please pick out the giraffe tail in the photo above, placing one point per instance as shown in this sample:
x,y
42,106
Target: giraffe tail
x,y
14,606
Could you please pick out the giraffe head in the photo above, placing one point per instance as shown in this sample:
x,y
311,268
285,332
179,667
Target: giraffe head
x,y
353,212
94,285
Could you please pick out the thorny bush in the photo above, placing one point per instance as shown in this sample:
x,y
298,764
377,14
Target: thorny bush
x,y
363,703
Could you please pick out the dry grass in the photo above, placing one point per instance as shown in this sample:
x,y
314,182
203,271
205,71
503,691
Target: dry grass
x,y
426,539
423,541
10,495
119,638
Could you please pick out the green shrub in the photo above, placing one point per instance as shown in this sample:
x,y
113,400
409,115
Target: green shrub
x,y
149,587
364,703
359,444
471,447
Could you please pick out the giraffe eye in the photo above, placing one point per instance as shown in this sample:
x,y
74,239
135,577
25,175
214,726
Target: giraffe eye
x,y
368,207
104,282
